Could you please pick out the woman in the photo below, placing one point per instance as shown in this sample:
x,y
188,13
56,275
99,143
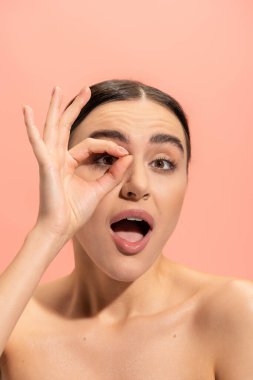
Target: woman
x,y
113,176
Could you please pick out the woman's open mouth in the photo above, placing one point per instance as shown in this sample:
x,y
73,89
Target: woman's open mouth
x,y
130,231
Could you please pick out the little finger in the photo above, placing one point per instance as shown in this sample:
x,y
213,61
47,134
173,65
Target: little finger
x,y
34,137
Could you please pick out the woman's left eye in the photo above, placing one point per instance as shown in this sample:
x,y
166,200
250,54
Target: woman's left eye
x,y
165,164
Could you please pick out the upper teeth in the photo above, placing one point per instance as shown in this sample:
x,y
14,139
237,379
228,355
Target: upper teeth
x,y
133,218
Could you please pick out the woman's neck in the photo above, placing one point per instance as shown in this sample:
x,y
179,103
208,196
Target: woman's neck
x,y
94,294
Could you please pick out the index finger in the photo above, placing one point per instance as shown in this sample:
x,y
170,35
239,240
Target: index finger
x,y
90,145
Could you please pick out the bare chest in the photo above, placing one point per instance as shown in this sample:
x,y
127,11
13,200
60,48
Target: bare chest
x,y
152,349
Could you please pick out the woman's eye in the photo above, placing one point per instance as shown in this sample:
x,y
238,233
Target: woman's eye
x,y
103,160
164,164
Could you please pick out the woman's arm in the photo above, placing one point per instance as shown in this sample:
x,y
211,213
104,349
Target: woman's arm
x,y
66,202
20,278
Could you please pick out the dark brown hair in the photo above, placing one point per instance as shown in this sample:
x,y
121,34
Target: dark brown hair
x,y
125,89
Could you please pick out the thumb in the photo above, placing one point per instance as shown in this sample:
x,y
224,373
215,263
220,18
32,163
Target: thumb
x,y
113,176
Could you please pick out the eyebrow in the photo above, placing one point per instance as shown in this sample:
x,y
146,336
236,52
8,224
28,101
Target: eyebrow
x,y
160,138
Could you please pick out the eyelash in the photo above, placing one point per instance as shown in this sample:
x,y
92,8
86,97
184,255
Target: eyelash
x,y
97,157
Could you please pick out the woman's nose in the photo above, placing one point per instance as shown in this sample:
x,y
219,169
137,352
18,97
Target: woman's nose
x,y
136,184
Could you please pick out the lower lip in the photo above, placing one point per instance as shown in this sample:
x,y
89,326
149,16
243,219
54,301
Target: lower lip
x,y
128,247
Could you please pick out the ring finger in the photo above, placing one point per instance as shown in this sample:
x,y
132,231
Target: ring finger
x,y
50,133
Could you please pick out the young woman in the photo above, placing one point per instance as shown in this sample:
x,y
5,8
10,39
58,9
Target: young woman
x,y
113,176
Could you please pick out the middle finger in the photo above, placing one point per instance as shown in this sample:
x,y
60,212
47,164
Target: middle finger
x,y
70,115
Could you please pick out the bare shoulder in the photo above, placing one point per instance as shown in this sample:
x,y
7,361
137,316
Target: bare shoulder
x,y
220,302
41,315
226,300
225,322
236,296
229,299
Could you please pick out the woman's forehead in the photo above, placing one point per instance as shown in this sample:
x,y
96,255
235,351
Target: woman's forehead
x,y
132,117
129,113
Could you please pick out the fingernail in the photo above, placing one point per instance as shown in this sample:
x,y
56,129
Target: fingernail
x,y
81,91
25,107
54,89
122,150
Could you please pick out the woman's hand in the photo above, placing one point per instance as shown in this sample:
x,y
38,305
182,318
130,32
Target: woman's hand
x,y
67,200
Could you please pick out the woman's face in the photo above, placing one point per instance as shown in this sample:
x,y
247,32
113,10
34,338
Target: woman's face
x,y
150,182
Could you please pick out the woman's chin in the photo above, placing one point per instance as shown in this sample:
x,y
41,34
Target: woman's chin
x,y
126,270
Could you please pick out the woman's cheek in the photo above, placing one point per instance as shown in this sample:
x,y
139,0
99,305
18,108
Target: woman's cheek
x,y
170,199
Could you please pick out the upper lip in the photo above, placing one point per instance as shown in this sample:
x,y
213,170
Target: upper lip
x,y
138,213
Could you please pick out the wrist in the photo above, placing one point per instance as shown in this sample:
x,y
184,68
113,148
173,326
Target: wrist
x,y
48,239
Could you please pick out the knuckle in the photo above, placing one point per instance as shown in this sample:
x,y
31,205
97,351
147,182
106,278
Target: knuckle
x,y
65,123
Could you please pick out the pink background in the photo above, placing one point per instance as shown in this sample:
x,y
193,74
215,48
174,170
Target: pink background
x,y
198,51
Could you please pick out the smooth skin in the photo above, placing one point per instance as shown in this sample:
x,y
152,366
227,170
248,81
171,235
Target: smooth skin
x,y
115,316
